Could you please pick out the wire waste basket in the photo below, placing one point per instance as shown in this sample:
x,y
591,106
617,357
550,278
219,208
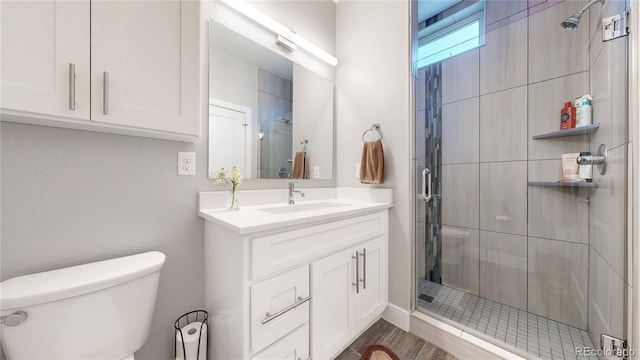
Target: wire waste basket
x,y
191,336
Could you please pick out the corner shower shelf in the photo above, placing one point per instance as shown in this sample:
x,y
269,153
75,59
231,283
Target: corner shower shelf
x,y
582,130
581,184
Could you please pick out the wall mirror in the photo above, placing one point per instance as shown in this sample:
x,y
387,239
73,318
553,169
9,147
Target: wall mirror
x,y
264,110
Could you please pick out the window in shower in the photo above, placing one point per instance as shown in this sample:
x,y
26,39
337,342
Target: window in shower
x,y
451,35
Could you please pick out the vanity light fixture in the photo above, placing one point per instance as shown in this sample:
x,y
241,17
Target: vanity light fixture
x,y
291,39
285,43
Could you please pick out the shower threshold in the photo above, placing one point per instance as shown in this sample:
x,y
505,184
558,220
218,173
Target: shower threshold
x,y
536,335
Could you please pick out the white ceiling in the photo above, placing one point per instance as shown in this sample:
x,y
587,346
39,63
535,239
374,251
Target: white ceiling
x,y
429,8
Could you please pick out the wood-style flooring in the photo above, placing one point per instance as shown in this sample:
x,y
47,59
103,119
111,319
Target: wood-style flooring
x,y
406,345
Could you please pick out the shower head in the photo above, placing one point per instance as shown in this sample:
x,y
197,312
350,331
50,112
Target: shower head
x,y
571,23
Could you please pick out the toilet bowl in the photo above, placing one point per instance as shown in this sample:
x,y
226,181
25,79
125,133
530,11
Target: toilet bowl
x,y
100,310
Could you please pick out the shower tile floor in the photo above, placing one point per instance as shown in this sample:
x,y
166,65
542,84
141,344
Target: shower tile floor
x,y
536,335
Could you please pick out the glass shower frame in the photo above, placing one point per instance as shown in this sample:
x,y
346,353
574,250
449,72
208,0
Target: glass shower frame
x,y
432,249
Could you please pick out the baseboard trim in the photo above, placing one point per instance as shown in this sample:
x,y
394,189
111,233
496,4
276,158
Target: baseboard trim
x,y
397,316
458,343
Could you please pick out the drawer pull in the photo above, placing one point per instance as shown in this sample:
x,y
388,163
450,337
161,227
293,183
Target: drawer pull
x,y
300,301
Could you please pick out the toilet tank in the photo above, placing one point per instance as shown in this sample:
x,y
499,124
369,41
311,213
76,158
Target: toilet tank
x,y
100,310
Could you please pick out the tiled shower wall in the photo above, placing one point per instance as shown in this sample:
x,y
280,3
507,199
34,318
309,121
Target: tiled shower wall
x,y
549,251
276,121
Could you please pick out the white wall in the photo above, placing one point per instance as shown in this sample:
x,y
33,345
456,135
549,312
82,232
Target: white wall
x,y
70,197
373,86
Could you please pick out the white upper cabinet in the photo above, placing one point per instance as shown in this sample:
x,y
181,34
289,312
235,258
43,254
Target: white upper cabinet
x,y
136,66
148,50
39,41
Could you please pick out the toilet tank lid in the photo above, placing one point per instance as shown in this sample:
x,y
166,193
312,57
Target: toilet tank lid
x,y
48,286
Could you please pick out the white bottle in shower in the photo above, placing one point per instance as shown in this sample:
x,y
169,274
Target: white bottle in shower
x,y
583,110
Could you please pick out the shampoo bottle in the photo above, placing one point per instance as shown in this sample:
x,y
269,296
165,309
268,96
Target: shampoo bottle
x,y
583,110
567,116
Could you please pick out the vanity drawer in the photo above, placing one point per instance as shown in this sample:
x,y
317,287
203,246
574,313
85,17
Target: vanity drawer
x,y
278,306
277,252
294,346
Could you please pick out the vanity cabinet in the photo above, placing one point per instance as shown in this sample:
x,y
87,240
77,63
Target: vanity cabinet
x,y
350,292
129,67
270,297
288,292
294,346
334,318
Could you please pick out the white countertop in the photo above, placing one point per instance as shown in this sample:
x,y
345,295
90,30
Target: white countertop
x,y
251,218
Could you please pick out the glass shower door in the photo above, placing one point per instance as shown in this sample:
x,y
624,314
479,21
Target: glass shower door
x,y
428,199
503,250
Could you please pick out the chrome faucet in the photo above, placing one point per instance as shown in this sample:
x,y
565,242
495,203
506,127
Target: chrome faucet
x,y
292,190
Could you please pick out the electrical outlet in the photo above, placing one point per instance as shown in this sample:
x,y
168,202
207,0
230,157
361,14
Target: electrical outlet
x,y
187,163
358,170
316,172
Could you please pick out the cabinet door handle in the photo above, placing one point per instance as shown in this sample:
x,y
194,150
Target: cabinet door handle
x,y
72,86
105,93
357,283
364,268
300,301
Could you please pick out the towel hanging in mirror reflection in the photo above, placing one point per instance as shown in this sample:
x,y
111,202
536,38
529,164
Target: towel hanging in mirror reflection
x,y
300,166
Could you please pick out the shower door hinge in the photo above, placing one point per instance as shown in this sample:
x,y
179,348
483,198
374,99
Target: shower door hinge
x,y
614,348
615,26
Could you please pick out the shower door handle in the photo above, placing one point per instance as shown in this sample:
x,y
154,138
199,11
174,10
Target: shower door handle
x,y
426,183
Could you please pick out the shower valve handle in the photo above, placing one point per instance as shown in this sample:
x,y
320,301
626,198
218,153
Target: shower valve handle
x,y
600,159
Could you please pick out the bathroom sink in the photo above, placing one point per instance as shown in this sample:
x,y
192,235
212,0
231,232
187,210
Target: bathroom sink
x,y
296,208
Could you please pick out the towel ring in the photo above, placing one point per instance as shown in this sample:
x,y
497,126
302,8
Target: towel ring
x,y
374,127
304,143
